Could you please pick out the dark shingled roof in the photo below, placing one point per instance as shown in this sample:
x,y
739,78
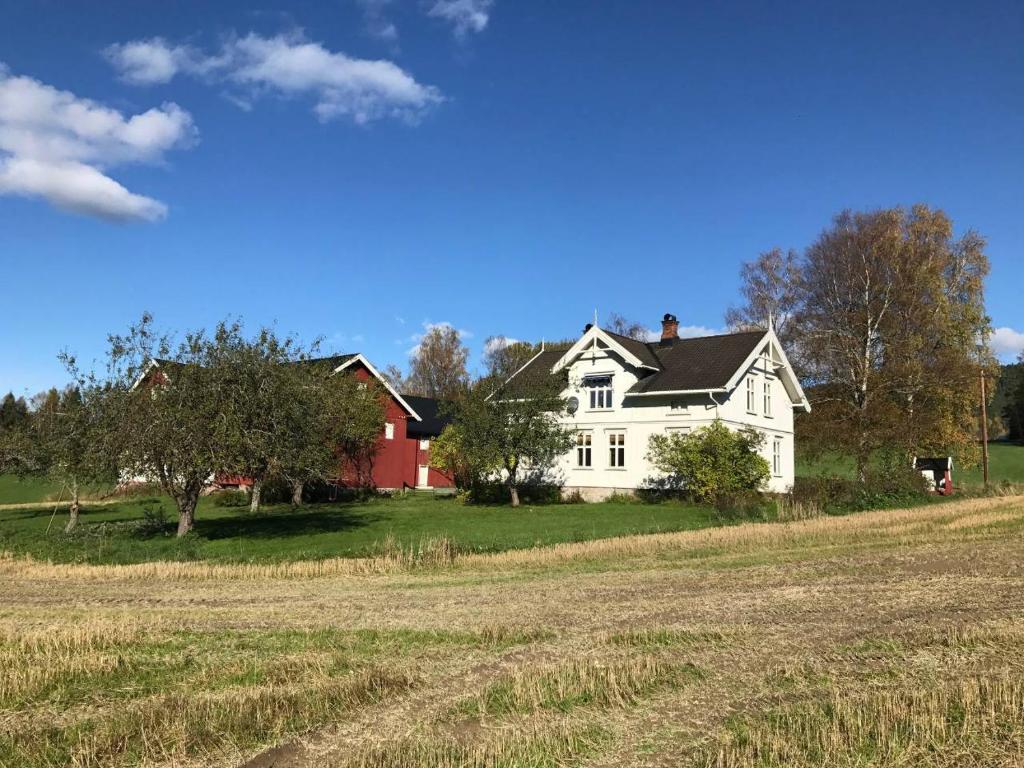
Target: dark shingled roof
x,y
429,410
537,373
706,362
703,363
332,361
641,349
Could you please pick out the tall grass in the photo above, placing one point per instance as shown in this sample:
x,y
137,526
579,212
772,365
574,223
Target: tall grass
x,y
172,726
974,722
551,746
577,684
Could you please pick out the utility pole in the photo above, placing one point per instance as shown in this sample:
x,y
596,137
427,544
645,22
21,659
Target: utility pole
x,y
984,429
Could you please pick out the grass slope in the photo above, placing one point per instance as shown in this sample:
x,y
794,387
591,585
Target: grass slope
x,y
15,490
883,639
1006,462
118,533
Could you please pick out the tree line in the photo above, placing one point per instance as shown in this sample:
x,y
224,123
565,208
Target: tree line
x,y
179,413
883,317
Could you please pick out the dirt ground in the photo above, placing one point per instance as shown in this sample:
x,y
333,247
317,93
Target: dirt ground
x,y
768,615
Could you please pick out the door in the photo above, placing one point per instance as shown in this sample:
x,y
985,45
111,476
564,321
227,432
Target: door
x,y
423,476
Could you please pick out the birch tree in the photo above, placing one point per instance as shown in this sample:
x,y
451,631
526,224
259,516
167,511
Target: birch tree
x,y
890,311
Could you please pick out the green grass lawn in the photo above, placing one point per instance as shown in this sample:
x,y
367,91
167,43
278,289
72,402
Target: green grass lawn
x,y
14,490
113,534
1006,462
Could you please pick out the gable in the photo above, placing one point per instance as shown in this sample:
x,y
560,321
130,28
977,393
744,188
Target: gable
x,y
635,353
358,362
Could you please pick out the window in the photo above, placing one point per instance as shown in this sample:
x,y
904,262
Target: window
x,y
678,408
389,431
600,391
777,456
617,449
768,397
424,444
751,401
677,430
584,442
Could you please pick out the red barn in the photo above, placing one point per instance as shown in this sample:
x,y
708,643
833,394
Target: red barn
x,y
402,458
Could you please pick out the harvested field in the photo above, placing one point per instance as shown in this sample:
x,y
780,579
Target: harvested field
x,y
888,638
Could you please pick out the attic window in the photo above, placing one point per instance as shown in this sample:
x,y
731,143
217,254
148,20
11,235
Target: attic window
x,y
600,391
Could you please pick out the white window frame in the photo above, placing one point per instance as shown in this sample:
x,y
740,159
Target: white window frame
x,y
767,398
389,430
424,443
777,456
584,450
678,408
599,398
751,396
616,449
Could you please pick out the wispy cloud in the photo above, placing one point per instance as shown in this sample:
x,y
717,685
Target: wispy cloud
x,y
286,65
465,16
1007,343
494,343
344,342
376,20
56,145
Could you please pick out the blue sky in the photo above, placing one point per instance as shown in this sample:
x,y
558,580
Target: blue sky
x,y
356,169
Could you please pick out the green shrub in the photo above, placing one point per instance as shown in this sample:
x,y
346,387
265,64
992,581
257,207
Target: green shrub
x,y
626,498
714,465
230,498
889,482
497,493
742,505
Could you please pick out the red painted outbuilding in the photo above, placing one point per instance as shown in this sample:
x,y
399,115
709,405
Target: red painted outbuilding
x,y
402,458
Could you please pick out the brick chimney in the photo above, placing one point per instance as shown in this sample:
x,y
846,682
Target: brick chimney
x,y
669,328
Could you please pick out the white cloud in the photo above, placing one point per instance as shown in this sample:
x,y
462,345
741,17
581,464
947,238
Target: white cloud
x,y
149,62
465,16
494,343
694,331
286,65
56,145
1007,343
686,332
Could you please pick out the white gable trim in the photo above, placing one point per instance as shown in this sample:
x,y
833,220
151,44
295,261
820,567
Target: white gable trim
x,y
591,337
661,392
519,370
145,372
360,359
793,385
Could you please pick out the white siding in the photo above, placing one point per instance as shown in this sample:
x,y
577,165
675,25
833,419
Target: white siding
x,y
640,417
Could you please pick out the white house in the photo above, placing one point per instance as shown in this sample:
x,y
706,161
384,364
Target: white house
x,y
622,391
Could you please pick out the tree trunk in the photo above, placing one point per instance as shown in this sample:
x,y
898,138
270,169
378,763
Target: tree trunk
x,y
255,494
187,511
514,492
73,509
297,486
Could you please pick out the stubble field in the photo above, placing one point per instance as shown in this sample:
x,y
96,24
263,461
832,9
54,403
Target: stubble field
x,y
887,638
